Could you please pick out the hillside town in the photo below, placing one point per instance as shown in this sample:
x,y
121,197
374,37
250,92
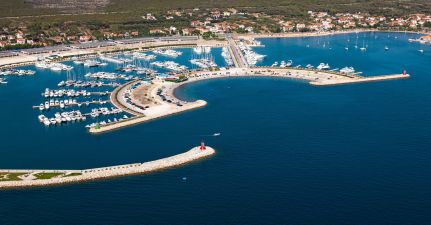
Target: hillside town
x,y
208,23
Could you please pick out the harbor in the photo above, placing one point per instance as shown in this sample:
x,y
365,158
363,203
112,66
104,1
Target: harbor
x,y
105,92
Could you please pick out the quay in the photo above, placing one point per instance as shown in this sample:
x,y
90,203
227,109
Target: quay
x,y
34,178
141,119
114,98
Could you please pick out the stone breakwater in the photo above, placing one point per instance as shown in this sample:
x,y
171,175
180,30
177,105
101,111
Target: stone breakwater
x,y
114,171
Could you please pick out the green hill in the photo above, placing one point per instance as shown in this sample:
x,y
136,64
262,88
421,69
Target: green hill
x,y
9,8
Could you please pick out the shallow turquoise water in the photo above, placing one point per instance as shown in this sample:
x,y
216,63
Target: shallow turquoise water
x,y
288,153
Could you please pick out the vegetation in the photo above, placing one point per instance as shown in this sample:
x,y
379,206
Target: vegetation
x,y
121,8
10,176
41,176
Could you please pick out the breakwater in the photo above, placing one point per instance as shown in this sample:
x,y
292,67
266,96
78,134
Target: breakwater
x,y
75,176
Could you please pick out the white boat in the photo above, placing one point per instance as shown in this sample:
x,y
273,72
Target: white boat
x,y
41,65
168,52
347,70
46,122
289,63
41,118
323,66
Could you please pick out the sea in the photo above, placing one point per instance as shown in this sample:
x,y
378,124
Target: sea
x,y
287,153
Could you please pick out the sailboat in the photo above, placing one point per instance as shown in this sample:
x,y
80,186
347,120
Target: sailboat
x,y
356,44
363,47
347,45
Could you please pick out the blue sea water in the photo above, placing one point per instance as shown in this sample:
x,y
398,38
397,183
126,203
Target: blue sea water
x,y
288,153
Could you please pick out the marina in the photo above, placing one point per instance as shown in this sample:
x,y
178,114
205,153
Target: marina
x,y
146,80
292,124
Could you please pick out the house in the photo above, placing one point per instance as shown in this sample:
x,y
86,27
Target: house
x,y
19,35
300,26
187,31
57,39
157,31
21,41
173,30
3,44
195,23
149,16
85,38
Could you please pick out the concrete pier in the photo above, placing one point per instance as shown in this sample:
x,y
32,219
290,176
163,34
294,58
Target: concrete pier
x,y
107,172
142,119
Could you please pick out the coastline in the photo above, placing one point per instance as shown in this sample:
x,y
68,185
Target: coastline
x,y
193,154
316,34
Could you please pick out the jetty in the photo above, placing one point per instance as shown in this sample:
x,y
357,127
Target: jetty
x,y
33,178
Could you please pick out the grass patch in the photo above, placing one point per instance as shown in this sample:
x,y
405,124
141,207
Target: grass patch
x,y
10,176
42,176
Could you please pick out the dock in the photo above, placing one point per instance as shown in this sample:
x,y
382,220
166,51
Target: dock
x,y
75,104
142,119
34,178
80,95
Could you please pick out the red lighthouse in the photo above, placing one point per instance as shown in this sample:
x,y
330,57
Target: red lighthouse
x,y
404,72
202,146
